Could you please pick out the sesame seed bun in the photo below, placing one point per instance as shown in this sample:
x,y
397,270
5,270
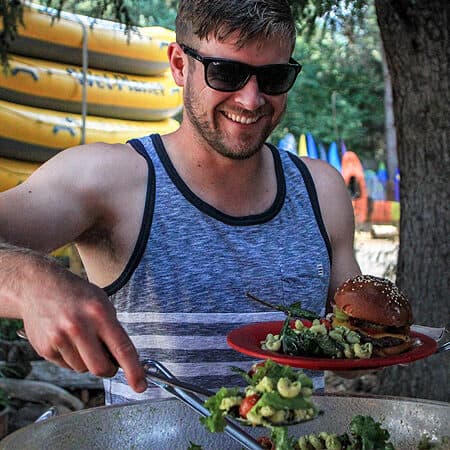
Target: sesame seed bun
x,y
374,299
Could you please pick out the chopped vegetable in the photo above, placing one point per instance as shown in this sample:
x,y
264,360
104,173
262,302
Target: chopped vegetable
x,y
317,339
247,404
216,422
275,394
281,439
193,446
367,434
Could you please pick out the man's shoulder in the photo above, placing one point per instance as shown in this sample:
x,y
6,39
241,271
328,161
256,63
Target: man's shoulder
x,y
103,150
321,170
98,156
97,167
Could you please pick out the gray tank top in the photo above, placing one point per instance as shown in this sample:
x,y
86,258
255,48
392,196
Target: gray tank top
x,y
185,285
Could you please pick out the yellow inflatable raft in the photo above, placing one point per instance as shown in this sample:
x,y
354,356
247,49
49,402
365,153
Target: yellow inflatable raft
x,y
46,84
143,51
13,172
36,134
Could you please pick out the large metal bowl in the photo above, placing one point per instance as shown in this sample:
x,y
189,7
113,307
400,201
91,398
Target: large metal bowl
x,y
170,425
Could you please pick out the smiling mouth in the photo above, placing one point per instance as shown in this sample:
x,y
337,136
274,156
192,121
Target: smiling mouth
x,y
245,120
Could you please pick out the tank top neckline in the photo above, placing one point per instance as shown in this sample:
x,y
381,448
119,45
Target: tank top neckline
x,y
213,212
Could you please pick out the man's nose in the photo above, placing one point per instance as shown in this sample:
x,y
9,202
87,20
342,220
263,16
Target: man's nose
x,y
249,96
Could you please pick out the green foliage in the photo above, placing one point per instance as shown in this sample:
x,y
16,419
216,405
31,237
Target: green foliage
x,y
157,12
332,14
4,400
11,16
141,13
8,328
118,10
348,68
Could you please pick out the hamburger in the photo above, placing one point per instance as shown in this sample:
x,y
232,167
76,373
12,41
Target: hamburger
x,y
376,309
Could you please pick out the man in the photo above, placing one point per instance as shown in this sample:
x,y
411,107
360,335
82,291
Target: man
x,y
176,229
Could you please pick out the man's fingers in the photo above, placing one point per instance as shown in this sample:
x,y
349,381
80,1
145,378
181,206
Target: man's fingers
x,y
124,352
72,358
59,361
95,355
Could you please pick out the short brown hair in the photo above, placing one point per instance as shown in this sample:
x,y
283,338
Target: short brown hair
x,y
250,19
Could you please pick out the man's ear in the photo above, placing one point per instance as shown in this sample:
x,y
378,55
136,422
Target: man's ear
x,y
177,63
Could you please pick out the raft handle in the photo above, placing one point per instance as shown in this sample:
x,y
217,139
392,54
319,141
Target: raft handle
x,y
57,128
31,72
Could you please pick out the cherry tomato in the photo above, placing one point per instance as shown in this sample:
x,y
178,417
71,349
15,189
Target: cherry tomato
x,y
266,443
326,322
247,404
252,370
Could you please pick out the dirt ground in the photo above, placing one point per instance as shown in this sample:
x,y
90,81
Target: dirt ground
x,y
376,256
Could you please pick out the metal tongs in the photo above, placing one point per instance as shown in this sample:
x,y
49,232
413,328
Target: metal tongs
x,y
157,374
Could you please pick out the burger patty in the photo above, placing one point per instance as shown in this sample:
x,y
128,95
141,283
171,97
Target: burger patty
x,y
387,341
377,328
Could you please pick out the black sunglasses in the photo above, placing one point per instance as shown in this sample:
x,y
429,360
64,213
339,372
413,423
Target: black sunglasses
x,y
227,75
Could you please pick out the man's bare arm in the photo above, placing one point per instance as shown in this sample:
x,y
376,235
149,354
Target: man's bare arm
x,y
57,203
68,320
338,217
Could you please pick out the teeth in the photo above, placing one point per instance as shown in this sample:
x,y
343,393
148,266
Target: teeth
x,y
241,119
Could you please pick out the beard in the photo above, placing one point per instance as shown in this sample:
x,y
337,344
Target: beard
x,y
249,144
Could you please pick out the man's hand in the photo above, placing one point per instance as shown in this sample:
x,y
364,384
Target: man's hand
x,y
71,322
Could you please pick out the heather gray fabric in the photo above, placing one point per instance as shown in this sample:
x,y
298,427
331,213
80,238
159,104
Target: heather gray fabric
x,y
184,287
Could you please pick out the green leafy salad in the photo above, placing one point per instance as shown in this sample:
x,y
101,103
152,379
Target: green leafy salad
x,y
315,336
275,395
364,434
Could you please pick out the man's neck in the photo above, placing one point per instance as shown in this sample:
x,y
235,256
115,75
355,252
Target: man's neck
x,y
234,187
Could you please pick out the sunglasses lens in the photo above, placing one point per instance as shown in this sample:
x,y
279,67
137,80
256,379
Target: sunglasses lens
x,y
226,75
276,80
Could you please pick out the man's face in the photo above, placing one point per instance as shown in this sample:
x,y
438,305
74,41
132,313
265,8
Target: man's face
x,y
234,124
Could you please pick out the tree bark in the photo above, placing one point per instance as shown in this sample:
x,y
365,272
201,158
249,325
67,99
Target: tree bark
x,y
416,41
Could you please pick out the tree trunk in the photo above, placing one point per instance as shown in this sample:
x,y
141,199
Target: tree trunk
x,y
416,41
391,136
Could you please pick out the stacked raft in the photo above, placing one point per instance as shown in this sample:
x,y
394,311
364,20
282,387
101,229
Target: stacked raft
x,y
126,91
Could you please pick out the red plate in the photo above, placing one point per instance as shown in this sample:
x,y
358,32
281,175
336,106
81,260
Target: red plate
x,y
247,339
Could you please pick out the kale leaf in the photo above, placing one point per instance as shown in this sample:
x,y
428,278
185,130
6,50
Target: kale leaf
x,y
367,434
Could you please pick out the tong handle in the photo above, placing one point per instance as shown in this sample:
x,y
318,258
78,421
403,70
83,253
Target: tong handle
x,y
174,382
182,391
